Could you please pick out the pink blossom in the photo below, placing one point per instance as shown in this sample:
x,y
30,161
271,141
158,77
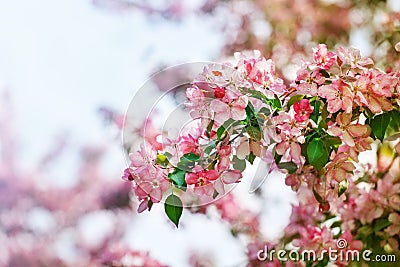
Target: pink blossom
x,y
351,57
127,176
372,95
235,109
151,187
346,130
303,110
388,192
307,83
262,73
202,177
312,237
143,161
219,92
367,208
224,150
323,58
189,144
293,180
338,96
339,168
227,177
394,228
290,149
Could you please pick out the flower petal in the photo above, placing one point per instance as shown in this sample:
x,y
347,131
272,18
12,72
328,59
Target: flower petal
x,y
231,177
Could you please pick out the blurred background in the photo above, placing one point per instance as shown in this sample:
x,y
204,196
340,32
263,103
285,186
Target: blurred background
x,y
68,69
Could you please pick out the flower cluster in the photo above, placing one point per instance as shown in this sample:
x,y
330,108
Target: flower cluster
x,y
312,130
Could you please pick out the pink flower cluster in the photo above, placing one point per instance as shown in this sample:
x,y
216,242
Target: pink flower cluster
x,y
312,130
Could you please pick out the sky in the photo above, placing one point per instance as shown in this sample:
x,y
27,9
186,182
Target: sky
x,y
62,60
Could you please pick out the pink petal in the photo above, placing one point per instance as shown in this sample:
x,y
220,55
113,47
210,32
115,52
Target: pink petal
x,y
136,159
238,113
334,105
219,187
211,175
143,206
339,175
192,178
347,104
344,118
208,189
335,131
222,117
357,130
281,147
347,166
328,92
156,195
146,187
243,150
348,139
295,151
231,177
374,105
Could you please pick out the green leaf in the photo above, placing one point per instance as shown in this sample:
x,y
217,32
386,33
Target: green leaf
x,y
325,73
162,160
290,166
190,157
294,99
254,132
249,111
187,161
186,165
395,123
251,157
209,148
254,93
317,154
318,196
173,208
324,114
277,157
379,124
332,141
380,224
215,194
178,178
336,224
149,204
342,187
264,111
224,128
239,164
168,155
276,103
209,128
314,116
312,135
365,230
220,132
